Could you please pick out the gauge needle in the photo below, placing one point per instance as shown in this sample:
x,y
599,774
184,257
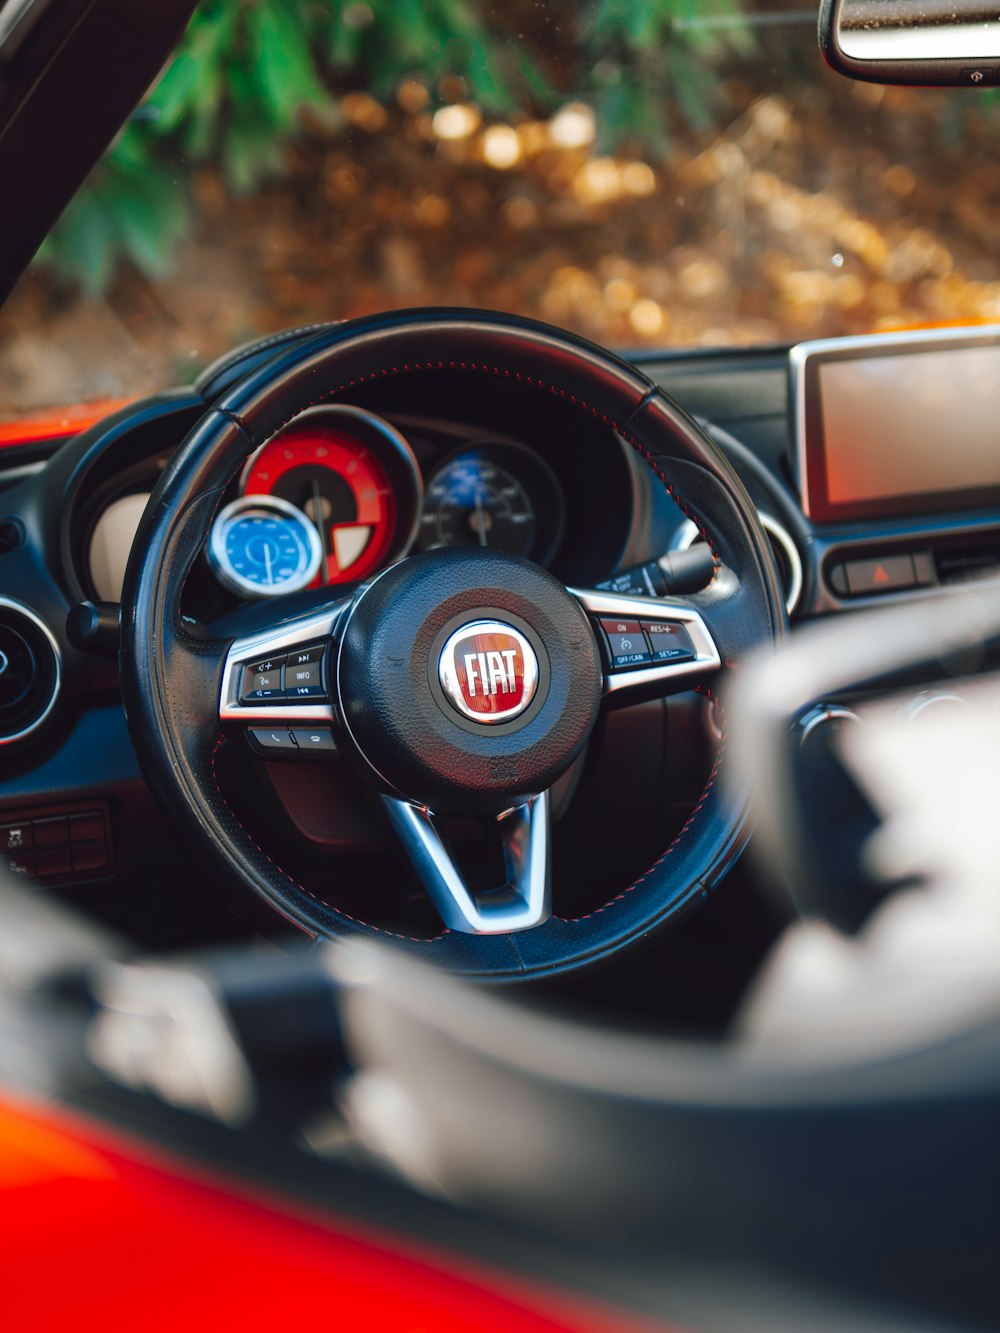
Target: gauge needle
x,y
324,530
480,518
267,563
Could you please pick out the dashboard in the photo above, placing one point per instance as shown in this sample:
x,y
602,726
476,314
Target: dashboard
x,y
873,464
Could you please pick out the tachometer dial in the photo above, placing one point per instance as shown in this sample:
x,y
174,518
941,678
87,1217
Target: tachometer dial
x,y
262,547
354,475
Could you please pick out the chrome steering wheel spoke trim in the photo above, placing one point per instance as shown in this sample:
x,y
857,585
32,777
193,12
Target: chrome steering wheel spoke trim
x,y
278,641
523,902
649,681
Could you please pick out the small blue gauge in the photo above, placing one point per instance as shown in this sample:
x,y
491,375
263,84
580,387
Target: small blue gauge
x,y
261,546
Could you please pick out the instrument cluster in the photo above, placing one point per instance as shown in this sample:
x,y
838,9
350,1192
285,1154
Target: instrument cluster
x,y
339,493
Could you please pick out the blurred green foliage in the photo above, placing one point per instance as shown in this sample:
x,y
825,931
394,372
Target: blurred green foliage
x,y
251,75
653,60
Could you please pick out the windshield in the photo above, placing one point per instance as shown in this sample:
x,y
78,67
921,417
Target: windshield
x,y
648,173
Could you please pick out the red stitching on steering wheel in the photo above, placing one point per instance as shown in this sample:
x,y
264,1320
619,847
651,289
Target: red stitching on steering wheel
x,y
412,939
713,698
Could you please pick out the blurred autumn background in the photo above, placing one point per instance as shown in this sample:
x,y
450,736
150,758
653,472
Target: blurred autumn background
x,y
646,172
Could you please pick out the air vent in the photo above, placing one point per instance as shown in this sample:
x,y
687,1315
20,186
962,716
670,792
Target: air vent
x,y
29,672
959,562
11,534
786,555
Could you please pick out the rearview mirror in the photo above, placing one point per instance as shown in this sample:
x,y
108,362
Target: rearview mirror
x,y
954,42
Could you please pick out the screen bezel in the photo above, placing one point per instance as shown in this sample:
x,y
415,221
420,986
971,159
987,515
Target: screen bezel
x,y
807,359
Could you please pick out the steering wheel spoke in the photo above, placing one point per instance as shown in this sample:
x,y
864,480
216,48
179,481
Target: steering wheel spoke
x,y
650,647
522,902
275,685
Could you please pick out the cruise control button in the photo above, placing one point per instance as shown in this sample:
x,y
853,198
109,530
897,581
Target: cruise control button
x,y
262,680
315,738
271,740
668,640
626,642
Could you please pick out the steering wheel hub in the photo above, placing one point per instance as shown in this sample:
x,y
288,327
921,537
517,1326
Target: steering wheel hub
x,y
468,681
488,671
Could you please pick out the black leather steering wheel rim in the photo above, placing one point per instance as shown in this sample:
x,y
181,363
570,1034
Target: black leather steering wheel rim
x,y
171,670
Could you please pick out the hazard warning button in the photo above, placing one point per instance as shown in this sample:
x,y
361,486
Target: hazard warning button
x,y
892,573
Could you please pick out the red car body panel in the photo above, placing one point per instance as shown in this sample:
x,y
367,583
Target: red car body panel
x,y
58,423
98,1233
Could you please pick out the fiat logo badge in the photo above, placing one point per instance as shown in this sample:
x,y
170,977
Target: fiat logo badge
x,y
489,671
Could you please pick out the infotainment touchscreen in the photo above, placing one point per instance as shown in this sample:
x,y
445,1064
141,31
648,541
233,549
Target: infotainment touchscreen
x,y
895,426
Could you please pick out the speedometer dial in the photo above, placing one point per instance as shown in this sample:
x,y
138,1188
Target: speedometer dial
x,y
473,502
354,475
499,495
263,547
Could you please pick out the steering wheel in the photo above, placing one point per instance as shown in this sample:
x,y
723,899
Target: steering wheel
x,y
456,681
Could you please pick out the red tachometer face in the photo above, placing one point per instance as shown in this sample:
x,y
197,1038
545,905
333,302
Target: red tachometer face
x,y
343,488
